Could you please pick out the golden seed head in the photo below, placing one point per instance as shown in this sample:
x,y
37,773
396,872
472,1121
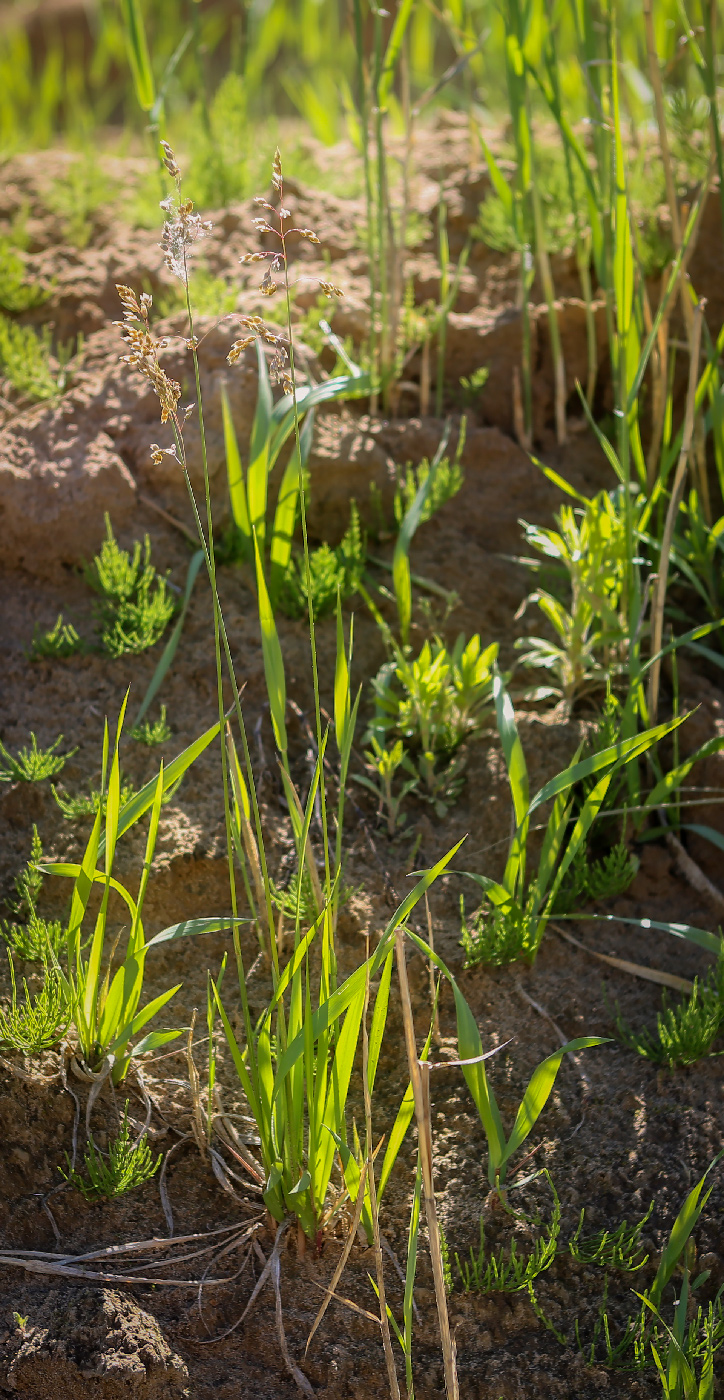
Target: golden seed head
x,y
330,290
309,234
169,161
277,171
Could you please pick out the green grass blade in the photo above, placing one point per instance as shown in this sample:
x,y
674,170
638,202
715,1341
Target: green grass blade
x,y
539,1091
235,473
680,1232
273,659
138,56
259,464
379,1020
166,658
138,805
285,515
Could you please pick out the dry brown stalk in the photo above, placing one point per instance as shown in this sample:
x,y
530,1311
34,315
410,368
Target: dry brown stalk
x,y
344,1256
420,1077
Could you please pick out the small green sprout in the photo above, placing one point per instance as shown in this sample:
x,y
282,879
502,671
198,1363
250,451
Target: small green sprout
x,y
135,603
129,1164
16,292
32,765
59,641
384,763
38,1023
27,361
149,733
497,936
20,1321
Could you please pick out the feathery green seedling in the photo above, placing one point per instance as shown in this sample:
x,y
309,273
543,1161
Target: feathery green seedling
x,y
135,603
80,805
154,732
685,1032
587,880
612,1249
26,360
41,1021
31,764
448,478
34,939
59,641
16,293
129,1164
77,198
333,572
506,1271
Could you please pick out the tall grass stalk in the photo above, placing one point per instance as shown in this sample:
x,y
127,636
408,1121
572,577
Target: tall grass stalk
x,y
420,1080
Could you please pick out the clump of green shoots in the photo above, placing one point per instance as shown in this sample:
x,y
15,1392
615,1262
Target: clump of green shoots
x,y
37,1023
433,703
61,640
587,880
32,764
620,1249
686,1031
152,732
129,1164
447,480
34,939
588,553
87,805
505,1270
16,292
135,603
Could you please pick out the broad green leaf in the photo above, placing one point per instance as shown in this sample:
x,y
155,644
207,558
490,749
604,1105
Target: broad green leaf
x,y
538,1092
257,477
712,942
379,1020
616,754
189,928
138,56
127,1032
235,473
140,803
401,558
673,779
680,1232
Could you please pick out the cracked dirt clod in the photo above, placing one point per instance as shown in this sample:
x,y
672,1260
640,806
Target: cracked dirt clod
x,y
91,1345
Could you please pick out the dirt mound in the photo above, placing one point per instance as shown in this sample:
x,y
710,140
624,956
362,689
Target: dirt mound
x,y
91,1345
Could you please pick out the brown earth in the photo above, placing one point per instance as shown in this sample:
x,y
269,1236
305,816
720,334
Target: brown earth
x,y
617,1132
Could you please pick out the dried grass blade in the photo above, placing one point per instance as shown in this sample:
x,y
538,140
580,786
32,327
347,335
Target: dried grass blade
x,y
343,1257
648,974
